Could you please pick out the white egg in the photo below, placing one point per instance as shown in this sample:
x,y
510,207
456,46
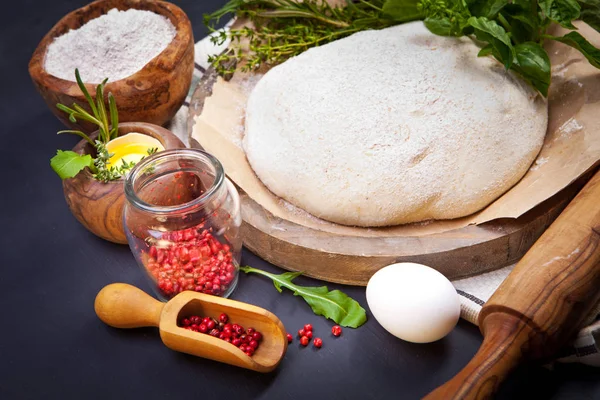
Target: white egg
x,y
413,302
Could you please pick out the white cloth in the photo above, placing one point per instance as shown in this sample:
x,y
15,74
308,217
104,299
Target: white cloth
x,y
474,291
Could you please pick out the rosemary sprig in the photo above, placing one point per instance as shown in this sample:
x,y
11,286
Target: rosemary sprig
x,y
67,164
285,28
99,115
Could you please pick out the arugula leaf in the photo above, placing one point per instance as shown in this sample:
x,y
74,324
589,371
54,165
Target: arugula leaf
x,y
403,10
489,31
67,164
575,40
561,11
533,63
334,304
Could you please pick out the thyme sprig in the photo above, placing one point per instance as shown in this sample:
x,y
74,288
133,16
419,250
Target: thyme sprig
x,y
105,171
511,31
285,28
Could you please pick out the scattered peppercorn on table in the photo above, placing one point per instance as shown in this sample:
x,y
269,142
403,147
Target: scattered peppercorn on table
x,y
54,346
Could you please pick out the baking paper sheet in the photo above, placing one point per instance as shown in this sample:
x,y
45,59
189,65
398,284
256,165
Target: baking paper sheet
x,y
571,147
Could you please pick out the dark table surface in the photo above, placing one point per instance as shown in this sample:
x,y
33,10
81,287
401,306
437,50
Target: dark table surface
x,y
53,345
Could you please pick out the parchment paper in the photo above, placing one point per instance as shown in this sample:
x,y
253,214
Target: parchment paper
x,y
571,147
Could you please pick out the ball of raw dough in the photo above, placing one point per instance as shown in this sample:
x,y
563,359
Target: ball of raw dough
x,y
413,302
392,126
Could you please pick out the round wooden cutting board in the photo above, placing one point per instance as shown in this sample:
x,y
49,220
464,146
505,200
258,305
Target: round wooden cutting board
x,y
354,259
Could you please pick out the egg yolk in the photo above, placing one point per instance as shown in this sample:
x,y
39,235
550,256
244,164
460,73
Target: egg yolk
x,y
131,148
128,153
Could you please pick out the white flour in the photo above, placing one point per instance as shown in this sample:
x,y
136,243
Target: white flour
x,y
570,127
538,163
115,46
245,85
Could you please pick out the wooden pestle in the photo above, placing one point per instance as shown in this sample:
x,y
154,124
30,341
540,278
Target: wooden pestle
x,y
541,304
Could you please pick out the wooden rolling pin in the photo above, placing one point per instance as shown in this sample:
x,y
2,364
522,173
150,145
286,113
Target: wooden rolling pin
x,y
541,304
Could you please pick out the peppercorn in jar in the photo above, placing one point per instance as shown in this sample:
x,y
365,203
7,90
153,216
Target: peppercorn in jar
x,y
182,219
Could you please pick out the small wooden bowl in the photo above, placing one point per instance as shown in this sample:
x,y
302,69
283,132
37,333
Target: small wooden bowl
x,y
153,94
97,205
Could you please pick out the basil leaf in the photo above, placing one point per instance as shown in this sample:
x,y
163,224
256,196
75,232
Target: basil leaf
x,y
402,10
526,19
487,8
334,304
561,11
521,32
439,26
591,16
67,164
533,63
486,51
590,13
496,36
589,3
575,40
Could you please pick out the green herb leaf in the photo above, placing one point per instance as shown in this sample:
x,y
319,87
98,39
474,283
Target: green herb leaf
x,y
575,40
403,10
334,304
102,117
591,16
589,4
78,133
446,17
533,63
486,51
85,92
561,11
440,26
282,29
489,31
114,115
524,26
67,164
487,8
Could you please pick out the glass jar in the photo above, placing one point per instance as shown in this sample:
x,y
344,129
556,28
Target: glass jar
x,y
182,221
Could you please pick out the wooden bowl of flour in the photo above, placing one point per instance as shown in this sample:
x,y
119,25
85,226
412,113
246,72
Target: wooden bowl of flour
x,y
153,94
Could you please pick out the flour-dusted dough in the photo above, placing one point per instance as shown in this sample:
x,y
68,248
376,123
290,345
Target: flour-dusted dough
x,y
392,126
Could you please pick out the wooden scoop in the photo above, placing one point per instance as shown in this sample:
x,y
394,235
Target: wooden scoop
x,y
124,306
541,304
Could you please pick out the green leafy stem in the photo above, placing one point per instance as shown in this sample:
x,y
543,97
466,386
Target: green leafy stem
x,y
511,31
334,304
67,164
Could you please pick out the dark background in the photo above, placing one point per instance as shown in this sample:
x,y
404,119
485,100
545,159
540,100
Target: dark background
x,y
52,345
